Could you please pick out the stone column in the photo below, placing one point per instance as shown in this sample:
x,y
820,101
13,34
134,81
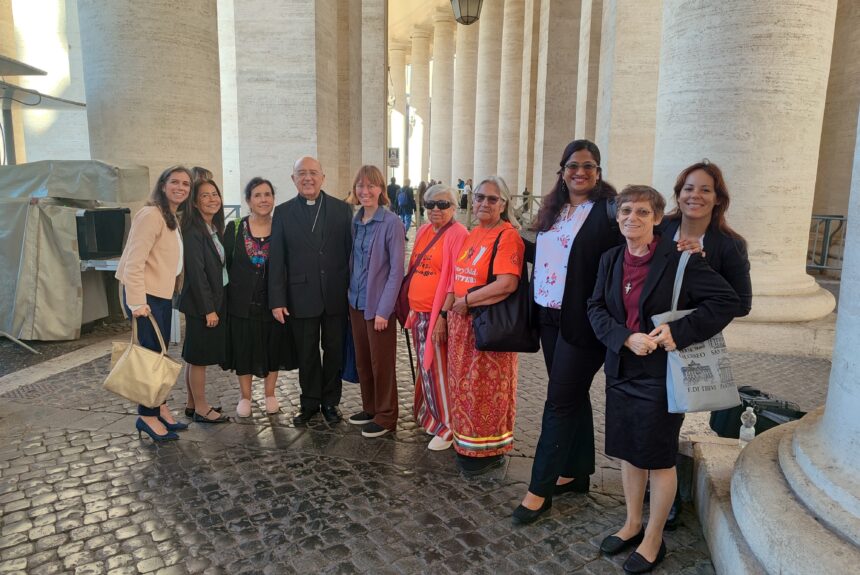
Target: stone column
x,y
627,99
487,90
233,177
419,101
374,82
764,137
528,93
8,48
798,482
843,98
507,158
397,116
465,82
48,38
441,103
151,76
589,68
555,112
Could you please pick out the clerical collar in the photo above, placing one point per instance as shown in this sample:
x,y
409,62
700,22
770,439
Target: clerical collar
x,y
311,202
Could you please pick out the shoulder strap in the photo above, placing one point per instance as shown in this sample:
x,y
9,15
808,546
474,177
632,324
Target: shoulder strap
x,y
679,279
491,277
427,249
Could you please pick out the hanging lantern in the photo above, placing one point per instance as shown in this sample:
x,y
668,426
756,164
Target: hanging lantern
x,y
467,11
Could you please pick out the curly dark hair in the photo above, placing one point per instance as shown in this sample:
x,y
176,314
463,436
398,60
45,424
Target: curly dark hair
x,y
559,195
718,216
159,199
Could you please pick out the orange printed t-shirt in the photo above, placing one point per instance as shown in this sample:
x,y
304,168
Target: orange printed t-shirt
x,y
425,279
472,266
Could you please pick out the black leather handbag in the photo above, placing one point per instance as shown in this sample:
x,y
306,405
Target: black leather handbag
x,y
506,325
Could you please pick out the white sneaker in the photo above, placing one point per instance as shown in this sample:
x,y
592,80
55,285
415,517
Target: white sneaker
x,y
243,409
439,444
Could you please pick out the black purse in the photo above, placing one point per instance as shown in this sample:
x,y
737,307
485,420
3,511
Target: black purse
x,y
506,325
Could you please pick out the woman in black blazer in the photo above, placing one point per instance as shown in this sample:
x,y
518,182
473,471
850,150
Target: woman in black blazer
x,y
257,345
203,298
634,282
575,226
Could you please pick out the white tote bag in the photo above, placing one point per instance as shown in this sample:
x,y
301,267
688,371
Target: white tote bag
x,y
698,377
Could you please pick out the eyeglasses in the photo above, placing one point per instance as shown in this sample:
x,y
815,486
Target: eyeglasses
x,y
641,212
587,166
491,200
441,204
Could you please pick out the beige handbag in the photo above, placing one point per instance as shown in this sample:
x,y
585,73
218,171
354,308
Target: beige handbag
x,y
139,374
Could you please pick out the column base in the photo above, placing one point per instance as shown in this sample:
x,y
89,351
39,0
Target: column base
x,y
802,338
811,303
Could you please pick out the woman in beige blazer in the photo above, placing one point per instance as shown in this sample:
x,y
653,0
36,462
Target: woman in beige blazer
x,y
150,271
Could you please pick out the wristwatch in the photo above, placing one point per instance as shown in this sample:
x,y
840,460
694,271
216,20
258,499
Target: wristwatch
x,y
443,314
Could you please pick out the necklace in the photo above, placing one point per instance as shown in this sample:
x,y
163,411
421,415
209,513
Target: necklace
x,y
487,231
313,227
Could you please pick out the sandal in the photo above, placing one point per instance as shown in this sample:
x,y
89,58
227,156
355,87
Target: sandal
x,y
205,419
189,411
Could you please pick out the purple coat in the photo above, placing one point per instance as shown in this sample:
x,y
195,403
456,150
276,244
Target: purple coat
x,y
385,265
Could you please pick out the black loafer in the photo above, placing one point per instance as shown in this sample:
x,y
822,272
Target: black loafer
x,y
578,485
330,414
613,545
522,515
303,416
638,564
474,466
674,517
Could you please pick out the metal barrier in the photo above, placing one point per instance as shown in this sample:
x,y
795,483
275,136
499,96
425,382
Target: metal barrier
x,y
827,243
232,211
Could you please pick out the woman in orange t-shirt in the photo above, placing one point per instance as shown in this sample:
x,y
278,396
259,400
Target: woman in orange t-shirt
x,y
428,290
483,384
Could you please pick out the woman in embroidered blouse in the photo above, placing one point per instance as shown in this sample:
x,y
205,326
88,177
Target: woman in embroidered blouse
x,y
574,228
428,290
149,270
634,283
257,345
483,384
376,272
203,298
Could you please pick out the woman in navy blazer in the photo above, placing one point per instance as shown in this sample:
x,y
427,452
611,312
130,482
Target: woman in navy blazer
x,y
635,282
376,272
203,299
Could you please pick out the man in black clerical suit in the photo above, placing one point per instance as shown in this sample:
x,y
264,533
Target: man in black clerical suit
x,y
308,281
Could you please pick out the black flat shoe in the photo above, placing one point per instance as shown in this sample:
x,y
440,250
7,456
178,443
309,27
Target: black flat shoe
x,y
638,564
613,545
204,419
474,466
303,416
189,411
578,485
330,414
522,515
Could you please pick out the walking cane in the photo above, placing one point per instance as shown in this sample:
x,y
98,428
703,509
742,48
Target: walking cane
x,y
409,347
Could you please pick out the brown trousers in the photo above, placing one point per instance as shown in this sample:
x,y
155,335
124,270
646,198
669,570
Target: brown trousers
x,y
375,358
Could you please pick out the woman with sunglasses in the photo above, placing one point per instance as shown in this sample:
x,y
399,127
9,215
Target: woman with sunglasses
x,y
428,291
574,228
483,384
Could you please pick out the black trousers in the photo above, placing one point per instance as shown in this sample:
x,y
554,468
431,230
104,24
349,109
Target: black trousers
x,y
566,444
319,377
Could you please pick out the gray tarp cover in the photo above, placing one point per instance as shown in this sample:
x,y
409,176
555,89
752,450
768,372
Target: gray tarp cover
x,y
41,296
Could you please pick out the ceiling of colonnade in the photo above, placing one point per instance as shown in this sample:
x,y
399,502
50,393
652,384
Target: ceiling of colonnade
x,y
403,15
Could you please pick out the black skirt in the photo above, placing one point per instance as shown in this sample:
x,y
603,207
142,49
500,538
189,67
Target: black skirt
x,y
205,345
639,427
259,345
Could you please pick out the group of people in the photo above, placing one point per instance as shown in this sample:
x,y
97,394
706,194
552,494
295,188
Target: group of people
x,y
268,292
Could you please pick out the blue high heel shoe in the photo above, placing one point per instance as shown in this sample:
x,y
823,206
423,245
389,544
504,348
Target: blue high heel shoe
x,y
178,426
142,427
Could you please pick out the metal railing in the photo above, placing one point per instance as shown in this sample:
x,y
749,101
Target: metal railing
x,y
232,211
826,243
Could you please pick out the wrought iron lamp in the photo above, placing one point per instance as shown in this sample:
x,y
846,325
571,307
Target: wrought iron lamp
x,y
467,11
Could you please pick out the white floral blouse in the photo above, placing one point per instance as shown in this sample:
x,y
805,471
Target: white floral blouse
x,y
553,252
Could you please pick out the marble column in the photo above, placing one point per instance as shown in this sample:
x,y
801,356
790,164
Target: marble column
x,y
528,93
627,98
555,112
843,98
397,115
465,82
48,38
152,87
487,90
419,101
441,103
374,82
765,137
799,482
508,154
231,166
590,24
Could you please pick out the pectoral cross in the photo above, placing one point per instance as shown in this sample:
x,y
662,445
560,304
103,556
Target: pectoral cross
x,y
627,288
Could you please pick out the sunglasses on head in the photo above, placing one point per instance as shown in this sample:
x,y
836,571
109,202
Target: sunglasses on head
x,y
441,204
